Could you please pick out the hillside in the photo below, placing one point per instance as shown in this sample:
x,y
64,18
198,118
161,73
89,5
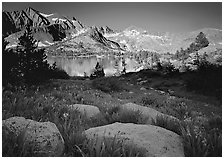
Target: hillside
x,y
52,28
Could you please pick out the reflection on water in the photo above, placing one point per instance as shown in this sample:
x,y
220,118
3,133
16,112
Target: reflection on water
x,y
79,66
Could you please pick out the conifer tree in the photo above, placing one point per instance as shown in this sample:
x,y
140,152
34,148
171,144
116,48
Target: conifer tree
x,y
201,41
99,72
32,65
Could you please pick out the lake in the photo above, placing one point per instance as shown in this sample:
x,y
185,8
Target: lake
x,y
80,66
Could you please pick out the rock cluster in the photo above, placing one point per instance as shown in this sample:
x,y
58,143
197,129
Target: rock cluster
x,y
46,140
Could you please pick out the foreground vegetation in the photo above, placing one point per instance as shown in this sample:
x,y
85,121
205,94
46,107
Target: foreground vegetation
x,y
49,101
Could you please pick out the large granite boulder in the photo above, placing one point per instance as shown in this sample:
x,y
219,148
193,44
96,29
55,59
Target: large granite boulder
x,y
157,141
43,138
150,113
87,110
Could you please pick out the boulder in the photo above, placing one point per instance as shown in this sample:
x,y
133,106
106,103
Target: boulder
x,y
87,110
146,112
43,138
156,141
143,89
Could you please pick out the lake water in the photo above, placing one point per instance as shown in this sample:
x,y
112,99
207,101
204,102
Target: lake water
x,y
79,66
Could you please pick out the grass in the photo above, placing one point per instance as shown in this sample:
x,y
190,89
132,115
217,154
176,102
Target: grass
x,y
206,80
118,114
197,143
169,124
15,146
175,107
109,147
108,84
49,102
50,105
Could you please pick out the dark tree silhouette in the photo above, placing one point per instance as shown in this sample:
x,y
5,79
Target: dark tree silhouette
x,y
9,63
98,72
32,64
201,41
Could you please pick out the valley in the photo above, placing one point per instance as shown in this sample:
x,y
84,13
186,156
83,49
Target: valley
x,y
72,90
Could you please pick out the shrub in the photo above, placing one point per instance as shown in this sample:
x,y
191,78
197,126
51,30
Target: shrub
x,y
56,73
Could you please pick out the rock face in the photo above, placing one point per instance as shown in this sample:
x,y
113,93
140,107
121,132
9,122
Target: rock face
x,y
146,112
158,142
43,137
87,110
98,36
105,30
48,28
17,20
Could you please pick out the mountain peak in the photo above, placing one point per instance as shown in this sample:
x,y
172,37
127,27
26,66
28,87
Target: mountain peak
x,y
30,9
133,27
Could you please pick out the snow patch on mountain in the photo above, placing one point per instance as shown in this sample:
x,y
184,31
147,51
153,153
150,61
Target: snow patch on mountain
x,y
54,19
79,32
111,35
46,15
131,33
154,36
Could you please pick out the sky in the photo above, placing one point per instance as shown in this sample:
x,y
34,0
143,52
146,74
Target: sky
x,y
151,16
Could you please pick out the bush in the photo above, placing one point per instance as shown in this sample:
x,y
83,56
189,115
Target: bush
x,y
57,73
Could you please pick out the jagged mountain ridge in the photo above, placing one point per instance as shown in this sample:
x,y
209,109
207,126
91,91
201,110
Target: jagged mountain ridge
x,y
17,20
48,28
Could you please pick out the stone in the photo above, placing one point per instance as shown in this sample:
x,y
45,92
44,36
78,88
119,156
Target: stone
x,y
142,82
156,141
139,79
43,137
143,89
146,112
87,110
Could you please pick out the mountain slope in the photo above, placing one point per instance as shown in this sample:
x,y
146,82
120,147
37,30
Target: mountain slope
x,y
136,39
48,28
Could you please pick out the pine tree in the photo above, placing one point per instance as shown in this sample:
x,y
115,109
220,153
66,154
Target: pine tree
x,y
201,41
32,65
99,72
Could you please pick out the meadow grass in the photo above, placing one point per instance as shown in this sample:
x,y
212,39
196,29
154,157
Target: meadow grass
x,y
108,84
44,106
198,142
49,103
